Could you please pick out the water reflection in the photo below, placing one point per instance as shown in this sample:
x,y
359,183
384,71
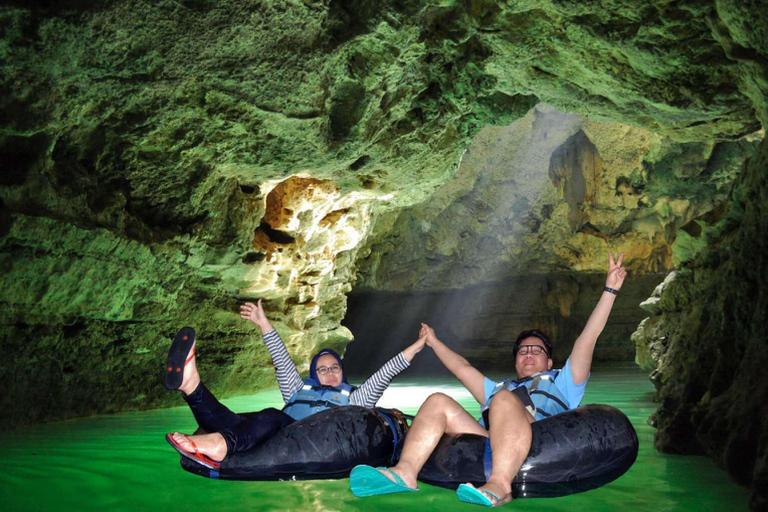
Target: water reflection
x,y
121,462
409,396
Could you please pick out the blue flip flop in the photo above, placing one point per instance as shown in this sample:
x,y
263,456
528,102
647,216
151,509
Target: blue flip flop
x,y
468,493
369,481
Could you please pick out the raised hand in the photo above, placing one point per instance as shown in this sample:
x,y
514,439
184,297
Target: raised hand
x,y
410,352
255,313
616,273
428,333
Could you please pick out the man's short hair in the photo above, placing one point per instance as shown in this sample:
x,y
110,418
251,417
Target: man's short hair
x,y
535,333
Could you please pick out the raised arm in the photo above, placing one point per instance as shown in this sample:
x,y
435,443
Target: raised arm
x,y
288,378
584,347
369,393
472,379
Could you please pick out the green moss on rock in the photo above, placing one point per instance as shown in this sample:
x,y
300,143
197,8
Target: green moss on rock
x,y
141,142
707,343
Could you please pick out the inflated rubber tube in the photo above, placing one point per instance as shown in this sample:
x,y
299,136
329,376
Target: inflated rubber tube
x,y
572,452
325,445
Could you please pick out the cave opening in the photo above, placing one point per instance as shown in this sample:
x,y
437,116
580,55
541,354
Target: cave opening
x,y
498,275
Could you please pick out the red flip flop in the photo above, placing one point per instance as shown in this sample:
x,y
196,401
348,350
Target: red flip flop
x,y
174,367
196,456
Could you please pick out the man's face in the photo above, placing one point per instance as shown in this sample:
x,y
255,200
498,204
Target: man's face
x,y
528,364
333,375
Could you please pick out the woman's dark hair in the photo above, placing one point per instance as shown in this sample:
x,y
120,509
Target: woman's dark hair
x,y
313,365
535,333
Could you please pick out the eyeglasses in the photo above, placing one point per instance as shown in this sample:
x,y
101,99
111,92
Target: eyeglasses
x,y
533,349
323,370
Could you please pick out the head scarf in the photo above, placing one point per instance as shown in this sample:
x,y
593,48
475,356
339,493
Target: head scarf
x,y
313,365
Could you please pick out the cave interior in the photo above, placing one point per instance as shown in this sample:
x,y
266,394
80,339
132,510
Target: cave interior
x,y
364,166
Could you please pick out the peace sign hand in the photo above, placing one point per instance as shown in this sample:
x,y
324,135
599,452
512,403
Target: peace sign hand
x,y
616,273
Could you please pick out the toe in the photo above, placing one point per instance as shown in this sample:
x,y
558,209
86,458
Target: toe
x,y
497,494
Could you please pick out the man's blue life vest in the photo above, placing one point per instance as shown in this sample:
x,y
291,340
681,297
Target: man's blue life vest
x,y
537,392
314,397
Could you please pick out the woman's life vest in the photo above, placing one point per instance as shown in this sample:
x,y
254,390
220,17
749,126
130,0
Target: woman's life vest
x,y
314,397
539,394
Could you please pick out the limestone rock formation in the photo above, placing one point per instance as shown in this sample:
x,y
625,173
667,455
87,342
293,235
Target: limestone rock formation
x,y
555,191
550,194
706,344
161,161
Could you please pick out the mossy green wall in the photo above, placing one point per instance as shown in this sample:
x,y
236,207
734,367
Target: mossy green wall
x,y
708,345
143,145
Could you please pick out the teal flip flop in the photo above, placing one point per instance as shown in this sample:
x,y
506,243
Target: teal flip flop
x,y
369,481
470,494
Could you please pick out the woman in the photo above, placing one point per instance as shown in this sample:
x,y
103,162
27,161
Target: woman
x,y
326,387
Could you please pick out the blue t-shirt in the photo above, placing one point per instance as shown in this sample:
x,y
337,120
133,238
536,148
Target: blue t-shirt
x,y
564,382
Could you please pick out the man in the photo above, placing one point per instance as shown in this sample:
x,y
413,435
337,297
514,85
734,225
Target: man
x,y
509,407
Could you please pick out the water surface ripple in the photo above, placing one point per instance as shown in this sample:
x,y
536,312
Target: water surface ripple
x,y
121,462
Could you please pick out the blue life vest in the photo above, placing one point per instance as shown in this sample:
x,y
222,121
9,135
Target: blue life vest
x,y
545,398
314,397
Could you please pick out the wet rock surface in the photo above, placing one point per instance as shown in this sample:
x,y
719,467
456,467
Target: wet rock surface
x,y
556,191
706,342
162,162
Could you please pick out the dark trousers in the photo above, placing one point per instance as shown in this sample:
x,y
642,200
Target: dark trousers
x,y
239,432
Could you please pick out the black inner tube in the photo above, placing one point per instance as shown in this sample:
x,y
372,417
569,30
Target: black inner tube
x,y
571,452
325,445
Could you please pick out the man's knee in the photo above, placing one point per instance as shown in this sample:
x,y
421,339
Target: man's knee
x,y
509,403
439,401
505,398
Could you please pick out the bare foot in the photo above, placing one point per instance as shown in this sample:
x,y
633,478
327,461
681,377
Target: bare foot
x,y
191,378
408,477
504,492
210,445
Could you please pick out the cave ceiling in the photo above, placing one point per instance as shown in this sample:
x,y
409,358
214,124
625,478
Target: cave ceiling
x,y
553,192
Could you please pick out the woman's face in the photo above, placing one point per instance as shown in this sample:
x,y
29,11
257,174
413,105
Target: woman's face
x,y
334,374
528,364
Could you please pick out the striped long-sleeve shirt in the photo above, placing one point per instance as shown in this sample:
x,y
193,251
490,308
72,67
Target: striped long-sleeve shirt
x,y
290,382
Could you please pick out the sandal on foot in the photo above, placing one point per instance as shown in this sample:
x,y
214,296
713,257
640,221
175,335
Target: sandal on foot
x,y
177,357
195,456
369,481
468,493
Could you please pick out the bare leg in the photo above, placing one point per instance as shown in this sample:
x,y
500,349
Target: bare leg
x,y
440,414
211,445
510,430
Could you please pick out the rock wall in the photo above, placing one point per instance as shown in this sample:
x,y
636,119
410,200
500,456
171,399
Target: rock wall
x,y
706,341
553,192
160,161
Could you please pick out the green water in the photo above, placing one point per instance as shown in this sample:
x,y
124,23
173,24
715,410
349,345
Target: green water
x,y
121,462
